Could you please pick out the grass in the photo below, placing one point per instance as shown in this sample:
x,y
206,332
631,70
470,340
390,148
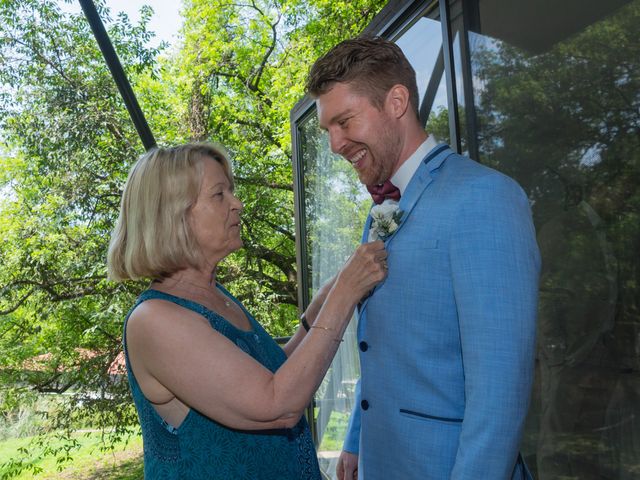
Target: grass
x,y
88,461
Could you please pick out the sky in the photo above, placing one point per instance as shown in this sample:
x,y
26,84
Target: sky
x,y
165,21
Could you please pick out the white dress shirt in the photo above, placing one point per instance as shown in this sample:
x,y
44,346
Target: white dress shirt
x,y
405,173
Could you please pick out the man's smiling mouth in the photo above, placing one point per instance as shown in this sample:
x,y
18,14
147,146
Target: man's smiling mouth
x,y
357,157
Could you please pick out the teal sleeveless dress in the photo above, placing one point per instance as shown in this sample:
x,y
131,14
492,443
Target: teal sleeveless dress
x,y
201,448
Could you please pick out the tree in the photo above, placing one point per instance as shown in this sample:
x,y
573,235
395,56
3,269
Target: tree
x,y
244,66
68,145
583,98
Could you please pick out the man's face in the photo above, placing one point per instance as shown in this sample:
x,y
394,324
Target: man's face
x,y
366,136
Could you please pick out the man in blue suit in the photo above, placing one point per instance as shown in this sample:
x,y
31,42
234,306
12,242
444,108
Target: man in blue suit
x,y
447,340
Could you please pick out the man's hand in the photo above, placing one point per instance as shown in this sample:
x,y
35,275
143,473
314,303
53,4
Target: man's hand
x,y
347,468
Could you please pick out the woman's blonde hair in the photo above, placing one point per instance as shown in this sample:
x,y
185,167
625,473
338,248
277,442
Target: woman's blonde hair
x,y
152,237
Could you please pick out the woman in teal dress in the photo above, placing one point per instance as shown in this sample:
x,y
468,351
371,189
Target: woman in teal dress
x,y
217,398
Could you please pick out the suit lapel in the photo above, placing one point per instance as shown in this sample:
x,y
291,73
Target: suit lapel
x,y
418,184
421,179
367,227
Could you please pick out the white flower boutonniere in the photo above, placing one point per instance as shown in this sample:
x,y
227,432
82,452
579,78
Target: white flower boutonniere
x,y
385,219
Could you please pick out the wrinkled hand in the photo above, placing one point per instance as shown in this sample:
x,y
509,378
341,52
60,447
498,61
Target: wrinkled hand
x,y
347,468
365,269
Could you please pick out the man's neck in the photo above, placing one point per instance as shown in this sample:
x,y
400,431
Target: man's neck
x,y
412,143
404,174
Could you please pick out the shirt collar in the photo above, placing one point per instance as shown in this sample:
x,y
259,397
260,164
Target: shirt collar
x,y
405,173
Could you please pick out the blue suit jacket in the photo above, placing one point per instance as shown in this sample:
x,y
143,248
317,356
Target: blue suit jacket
x,y
447,340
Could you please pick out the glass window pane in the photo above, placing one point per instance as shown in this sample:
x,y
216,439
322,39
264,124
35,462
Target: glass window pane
x,y
422,45
556,89
336,207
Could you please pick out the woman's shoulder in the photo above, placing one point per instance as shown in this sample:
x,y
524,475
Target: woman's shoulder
x,y
155,308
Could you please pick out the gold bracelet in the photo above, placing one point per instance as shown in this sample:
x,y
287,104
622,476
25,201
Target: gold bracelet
x,y
323,328
327,329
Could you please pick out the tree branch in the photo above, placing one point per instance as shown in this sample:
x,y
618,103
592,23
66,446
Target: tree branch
x,y
283,262
254,80
49,288
261,182
17,305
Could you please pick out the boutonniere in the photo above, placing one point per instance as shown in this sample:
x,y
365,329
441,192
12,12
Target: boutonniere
x,y
385,220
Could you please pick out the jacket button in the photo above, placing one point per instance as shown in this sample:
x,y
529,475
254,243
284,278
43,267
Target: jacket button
x,y
364,346
364,404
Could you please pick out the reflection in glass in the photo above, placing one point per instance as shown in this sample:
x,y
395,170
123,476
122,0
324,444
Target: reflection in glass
x,y
422,45
336,206
558,109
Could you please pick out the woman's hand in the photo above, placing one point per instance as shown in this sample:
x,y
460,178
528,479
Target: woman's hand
x,y
364,270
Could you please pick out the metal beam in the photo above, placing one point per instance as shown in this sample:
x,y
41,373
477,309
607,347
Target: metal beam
x,y
432,89
117,72
449,66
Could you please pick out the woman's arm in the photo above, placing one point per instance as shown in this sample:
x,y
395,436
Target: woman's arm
x,y
177,352
310,315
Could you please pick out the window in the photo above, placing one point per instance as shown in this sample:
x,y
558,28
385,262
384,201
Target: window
x,y
335,208
556,102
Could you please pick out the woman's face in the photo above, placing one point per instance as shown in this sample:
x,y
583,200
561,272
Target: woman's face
x,y
215,217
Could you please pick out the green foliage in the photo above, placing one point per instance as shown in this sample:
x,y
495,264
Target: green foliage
x,y
566,125
68,143
335,430
244,65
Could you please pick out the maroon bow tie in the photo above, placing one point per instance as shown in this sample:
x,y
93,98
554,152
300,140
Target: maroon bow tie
x,y
380,193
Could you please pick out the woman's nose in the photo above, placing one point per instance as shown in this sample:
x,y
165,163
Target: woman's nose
x,y
237,204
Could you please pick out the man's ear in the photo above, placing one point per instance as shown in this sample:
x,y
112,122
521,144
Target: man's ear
x,y
398,100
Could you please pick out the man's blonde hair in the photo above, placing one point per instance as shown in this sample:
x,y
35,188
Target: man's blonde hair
x,y
152,237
